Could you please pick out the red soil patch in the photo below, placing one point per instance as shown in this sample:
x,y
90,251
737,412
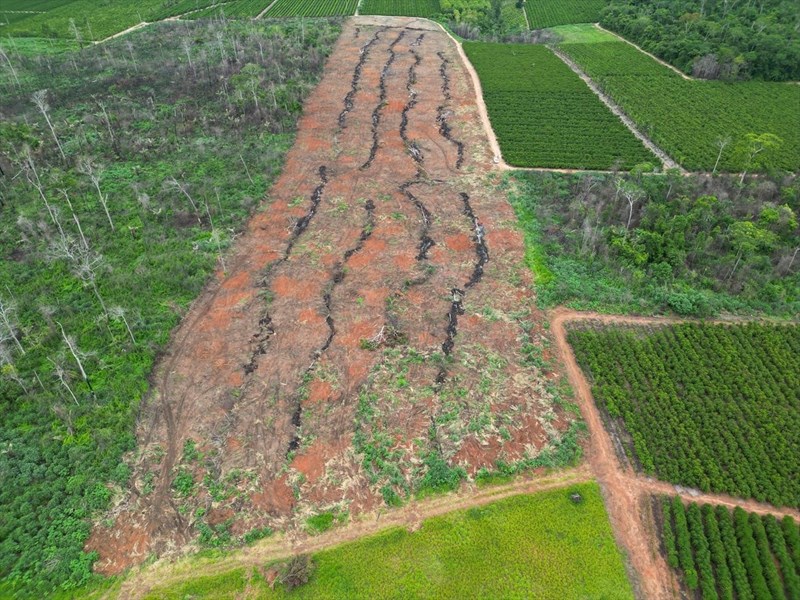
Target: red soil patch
x,y
458,242
319,391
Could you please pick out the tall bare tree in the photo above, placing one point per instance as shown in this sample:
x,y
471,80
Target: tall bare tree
x,y
8,324
40,100
88,168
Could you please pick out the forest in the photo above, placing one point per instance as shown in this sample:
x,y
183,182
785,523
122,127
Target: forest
x,y
709,406
642,243
127,170
715,39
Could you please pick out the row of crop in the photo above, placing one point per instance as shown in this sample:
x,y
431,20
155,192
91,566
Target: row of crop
x,y
709,406
171,8
725,556
408,8
312,8
544,115
549,13
697,122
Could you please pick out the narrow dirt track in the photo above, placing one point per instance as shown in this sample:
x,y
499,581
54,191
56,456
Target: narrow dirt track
x,y
168,573
627,493
377,300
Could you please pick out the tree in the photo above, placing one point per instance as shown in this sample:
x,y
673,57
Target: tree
x,y
757,149
7,323
748,237
721,143
40,100
76,354
88,168
5,57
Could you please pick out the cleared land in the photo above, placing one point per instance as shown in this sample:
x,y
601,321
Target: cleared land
x,y
545,116
543,546
709,406
720,554
548,13
368,343
689,119
409,8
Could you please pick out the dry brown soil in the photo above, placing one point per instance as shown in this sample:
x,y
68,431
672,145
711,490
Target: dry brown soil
x,y
361,307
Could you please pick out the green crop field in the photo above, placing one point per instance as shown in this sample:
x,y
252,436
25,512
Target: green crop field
x,y
312,8
688,119
540,546
410,8
547,13
93,22
545,116
171,8
719,553
709,406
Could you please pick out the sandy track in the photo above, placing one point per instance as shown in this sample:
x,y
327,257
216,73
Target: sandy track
x,y
627,493
371,228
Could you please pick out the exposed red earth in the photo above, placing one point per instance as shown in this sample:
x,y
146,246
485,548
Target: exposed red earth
x,y
362,299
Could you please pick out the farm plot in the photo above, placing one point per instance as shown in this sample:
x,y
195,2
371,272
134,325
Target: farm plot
x,y
691,119
312,8
408,8
545,116
720,553
548,13
93,22
368,343
713,407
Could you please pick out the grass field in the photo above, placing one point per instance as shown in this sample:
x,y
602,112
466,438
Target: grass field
x,y
540,546
581,34
709,406
409,8
547,13
713,550
545,116
688,118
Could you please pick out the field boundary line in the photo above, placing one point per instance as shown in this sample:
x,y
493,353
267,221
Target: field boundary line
x,y
280,546
668,162
261,14
125,31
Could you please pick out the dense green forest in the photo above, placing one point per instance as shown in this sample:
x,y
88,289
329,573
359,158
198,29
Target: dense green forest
x,y
127,170
694,245
710,406
725,555
715,39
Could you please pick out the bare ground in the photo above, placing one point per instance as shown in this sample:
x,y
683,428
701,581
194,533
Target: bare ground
x,y
362,311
